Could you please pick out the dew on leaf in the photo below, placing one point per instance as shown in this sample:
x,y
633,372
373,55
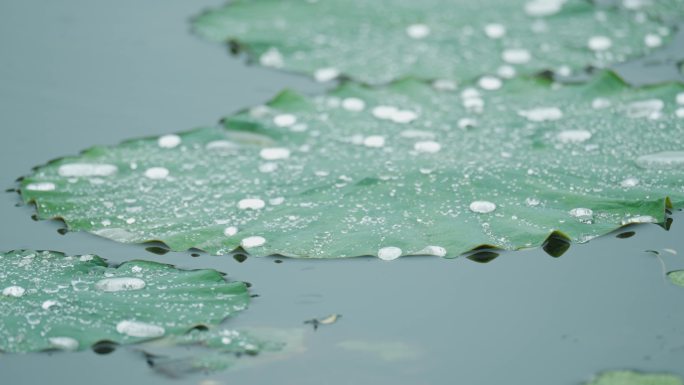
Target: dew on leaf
x,y
42,186
253,241
418,31
327,74
389,253
169,141
599,43
139,329
495,30
120,284
13,291
516,56
662,160
482,207
86,170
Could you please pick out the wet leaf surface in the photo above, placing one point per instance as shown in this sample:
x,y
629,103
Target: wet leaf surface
x,y
399,170
635,378
51,301
377,41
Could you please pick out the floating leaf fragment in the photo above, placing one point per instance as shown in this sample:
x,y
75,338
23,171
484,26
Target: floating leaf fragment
x,y
53,301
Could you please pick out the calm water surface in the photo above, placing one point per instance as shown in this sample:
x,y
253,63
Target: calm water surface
x,y
78,73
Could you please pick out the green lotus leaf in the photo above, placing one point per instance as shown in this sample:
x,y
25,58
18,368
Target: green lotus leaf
x,y
377,41
625,377
220,349
53,301
676,277
399,170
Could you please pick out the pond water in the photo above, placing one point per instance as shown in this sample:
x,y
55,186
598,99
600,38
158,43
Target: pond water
x,y
78,73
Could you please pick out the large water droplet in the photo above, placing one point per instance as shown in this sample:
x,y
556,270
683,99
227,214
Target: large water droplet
x,y
573,136
13,291
64,343
274,153
542,114
418,31
662,160
389,253
40,186
157,173
482,207
86,170
120,284
139,329
599,43
251,204
169,141
253,241
583,215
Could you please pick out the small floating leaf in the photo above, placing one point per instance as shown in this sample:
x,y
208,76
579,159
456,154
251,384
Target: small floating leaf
x,y
53,301
626,377
377,41
415,171
220,349
676,277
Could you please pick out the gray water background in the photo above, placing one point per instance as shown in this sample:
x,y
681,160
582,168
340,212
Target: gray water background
x,y
78,73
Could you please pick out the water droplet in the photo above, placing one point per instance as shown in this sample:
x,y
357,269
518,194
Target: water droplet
x,y
268,167
323,75
157,173
650,108
542,114
384,112
532,202
389,253
276,201
516,56
221,145
490,83
600,103
272,58
464,123
374,141
629,182
438,251
47,305
404,116
506,72
680,98
599,43
573,136
482,207
494,30
40,186
541,8
444,85
139,329
583,215
679,112
418,31
63,343
251,204
639,219
230,231
284,120
169,141
253,241
274,153
86,170
427,147
13,291
353,104
120,284
662,160
652,40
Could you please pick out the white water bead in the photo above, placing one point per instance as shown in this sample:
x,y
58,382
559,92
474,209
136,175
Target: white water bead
x,y
599,43
418,31
272,58
169,141
389,253
274,153
120,284
482,207
157,173
384,112
649,108
516,56
230,231
40,186
251,204
416,134
506,72
629,182
652,40
323,75
86,169
64,343
582,214
662,160
639,219
404,116
374,141
679,112
253,241
444,85
573,136
221,145
494,30
490,83
541,8
353,104
437,251
680,98
139,329
48,304
600,103
428,146
284,120
464,123
13,291
542,114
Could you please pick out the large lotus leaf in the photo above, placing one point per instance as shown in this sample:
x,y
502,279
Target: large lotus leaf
x,y
53,301
376,41
220,349
625,377
404,169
